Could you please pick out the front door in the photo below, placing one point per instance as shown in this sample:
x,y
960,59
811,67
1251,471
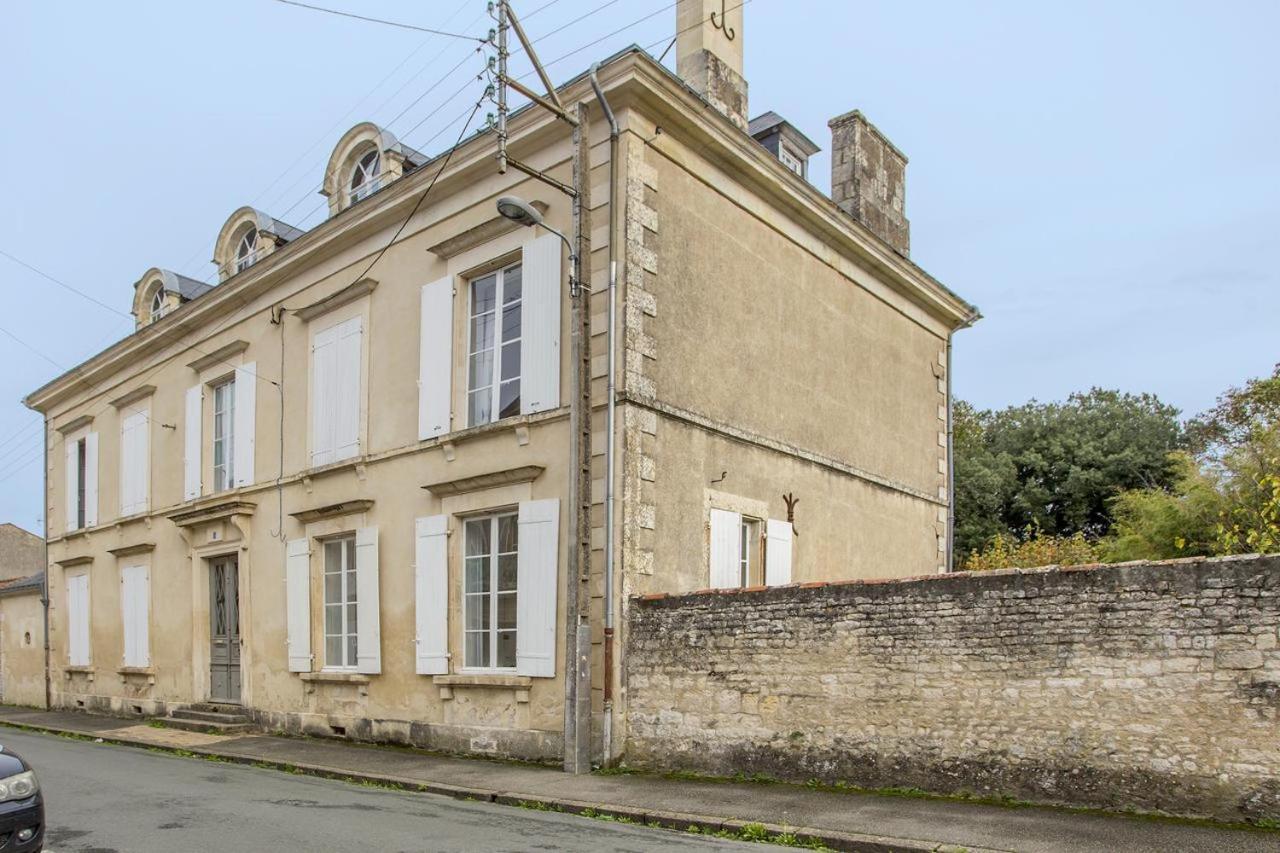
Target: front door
x,y
224,630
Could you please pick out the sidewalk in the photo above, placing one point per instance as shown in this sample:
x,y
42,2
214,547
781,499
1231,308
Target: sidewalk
x,y
845,821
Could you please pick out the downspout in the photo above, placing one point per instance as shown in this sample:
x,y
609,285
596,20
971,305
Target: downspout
x,y
951,457
607,734
44,475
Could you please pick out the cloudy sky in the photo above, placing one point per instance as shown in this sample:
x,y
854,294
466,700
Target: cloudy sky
x,y
1101,179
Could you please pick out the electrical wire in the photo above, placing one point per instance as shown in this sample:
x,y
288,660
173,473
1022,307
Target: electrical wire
x,y
398,24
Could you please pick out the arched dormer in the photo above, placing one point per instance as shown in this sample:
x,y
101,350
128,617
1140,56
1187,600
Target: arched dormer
x,y
161,291
248,236
365,160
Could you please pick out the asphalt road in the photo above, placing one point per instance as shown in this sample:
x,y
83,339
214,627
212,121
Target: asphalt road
x,y
101,798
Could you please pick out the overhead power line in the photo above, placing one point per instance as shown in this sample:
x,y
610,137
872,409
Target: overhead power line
x,y
398,24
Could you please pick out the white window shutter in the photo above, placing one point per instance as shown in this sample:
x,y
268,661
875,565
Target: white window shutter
x,y
435,359
134,462
91,479
347,397
78,620
368,617
324,366
244,430
298,603
191,456
540,331
431,594
726,549
777,554
73,484
135,607
537,580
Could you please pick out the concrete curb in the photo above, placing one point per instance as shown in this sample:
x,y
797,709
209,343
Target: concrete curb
x,y
681,821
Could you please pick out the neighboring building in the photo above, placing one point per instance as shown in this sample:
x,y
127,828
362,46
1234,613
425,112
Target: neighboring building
x,y
340,496
21,616
21,552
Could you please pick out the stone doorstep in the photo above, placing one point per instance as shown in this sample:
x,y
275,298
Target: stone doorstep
x,y
669,820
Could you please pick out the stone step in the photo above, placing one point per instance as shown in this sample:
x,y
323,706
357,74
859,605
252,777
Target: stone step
x,y
209,716
206,726
215,707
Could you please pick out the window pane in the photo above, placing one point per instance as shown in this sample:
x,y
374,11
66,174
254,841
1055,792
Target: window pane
x,y
480,373
511,361
507,610
511,281
482,294
333,619
351,651
509,399
477,537
507,572
508,534
333,556
477,612
477,650
482,332
332,588
477,574
333,651
350,544
480,407
507,649
511,322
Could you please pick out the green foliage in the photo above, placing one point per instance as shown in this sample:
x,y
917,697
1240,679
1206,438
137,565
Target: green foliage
x,y
1056,467
1159,524
1033,548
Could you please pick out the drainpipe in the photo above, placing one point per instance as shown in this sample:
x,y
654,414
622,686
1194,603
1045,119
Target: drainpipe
x,y
607,734
44,475
951,457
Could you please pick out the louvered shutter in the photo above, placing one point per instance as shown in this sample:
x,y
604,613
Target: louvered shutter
x,y
536,583
431,594
73,484
726,549
298,603
191,455
78,620
244,429
540,330
134,462
347,393
135,607
435,358
777,557
91,479
324,360
368,615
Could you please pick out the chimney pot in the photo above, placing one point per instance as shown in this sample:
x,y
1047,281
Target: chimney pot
x,y
869,179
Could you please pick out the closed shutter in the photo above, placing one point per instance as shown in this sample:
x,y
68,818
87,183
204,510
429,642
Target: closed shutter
x,y
540,332
298,603
135,607
134,462
73,484
368,617
244,430
431,594
435,358
536,583
78,620
726,549
91,479
777,555
347,414
191,456
324,366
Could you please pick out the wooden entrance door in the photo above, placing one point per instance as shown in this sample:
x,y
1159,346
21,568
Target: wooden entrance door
x,y
224,629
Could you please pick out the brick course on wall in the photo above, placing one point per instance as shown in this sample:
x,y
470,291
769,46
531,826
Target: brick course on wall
x,y
1153,686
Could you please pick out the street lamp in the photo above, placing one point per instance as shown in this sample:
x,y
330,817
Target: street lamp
x,y
521,212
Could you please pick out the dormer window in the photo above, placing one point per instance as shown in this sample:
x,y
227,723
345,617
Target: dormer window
x,y
247,250
792,148
157,304
365,176
791,161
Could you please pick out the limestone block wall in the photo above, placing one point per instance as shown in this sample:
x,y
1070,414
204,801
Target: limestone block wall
x,y
1153,686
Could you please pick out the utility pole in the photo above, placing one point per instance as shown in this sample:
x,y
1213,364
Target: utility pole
x,y
577,707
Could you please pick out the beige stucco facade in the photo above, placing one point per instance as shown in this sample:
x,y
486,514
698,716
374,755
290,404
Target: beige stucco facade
x,y
22,646
767,345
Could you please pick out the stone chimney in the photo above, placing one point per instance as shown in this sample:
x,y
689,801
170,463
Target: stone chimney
x,y
709,54
869,179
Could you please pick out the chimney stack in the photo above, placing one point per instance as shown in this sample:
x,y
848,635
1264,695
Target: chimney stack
x,y
869,179
709,54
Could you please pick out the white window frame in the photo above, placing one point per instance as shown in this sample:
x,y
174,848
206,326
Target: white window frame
x,y
369,175
157,304
750,543
224,474
247,250
789,159
492,568
494,381
348,584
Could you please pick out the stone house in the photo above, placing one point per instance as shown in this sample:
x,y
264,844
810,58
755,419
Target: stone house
x,y
21,616
335,490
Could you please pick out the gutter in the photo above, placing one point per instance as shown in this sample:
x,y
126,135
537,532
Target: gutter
x,y
609,456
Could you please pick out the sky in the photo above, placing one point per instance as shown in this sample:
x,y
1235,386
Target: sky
x,y
1101,179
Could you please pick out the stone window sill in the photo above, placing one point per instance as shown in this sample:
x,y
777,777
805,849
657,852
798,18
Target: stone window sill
x,y
138,672
519,683
69,671
357,679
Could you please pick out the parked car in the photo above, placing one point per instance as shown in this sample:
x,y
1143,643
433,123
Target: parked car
x,y
21,806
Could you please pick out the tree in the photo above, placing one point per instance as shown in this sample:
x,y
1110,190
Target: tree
x,y
1159,524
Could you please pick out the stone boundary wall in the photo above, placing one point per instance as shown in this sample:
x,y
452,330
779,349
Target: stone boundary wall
x,y
1150,686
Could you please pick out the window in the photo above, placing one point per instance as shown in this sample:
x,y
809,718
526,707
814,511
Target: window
x,y
364,177
335,392
78,620
82,465
135,612
135,462
790,160
340,603
157,304
749,552
247,250
489,592
493,362
224,407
